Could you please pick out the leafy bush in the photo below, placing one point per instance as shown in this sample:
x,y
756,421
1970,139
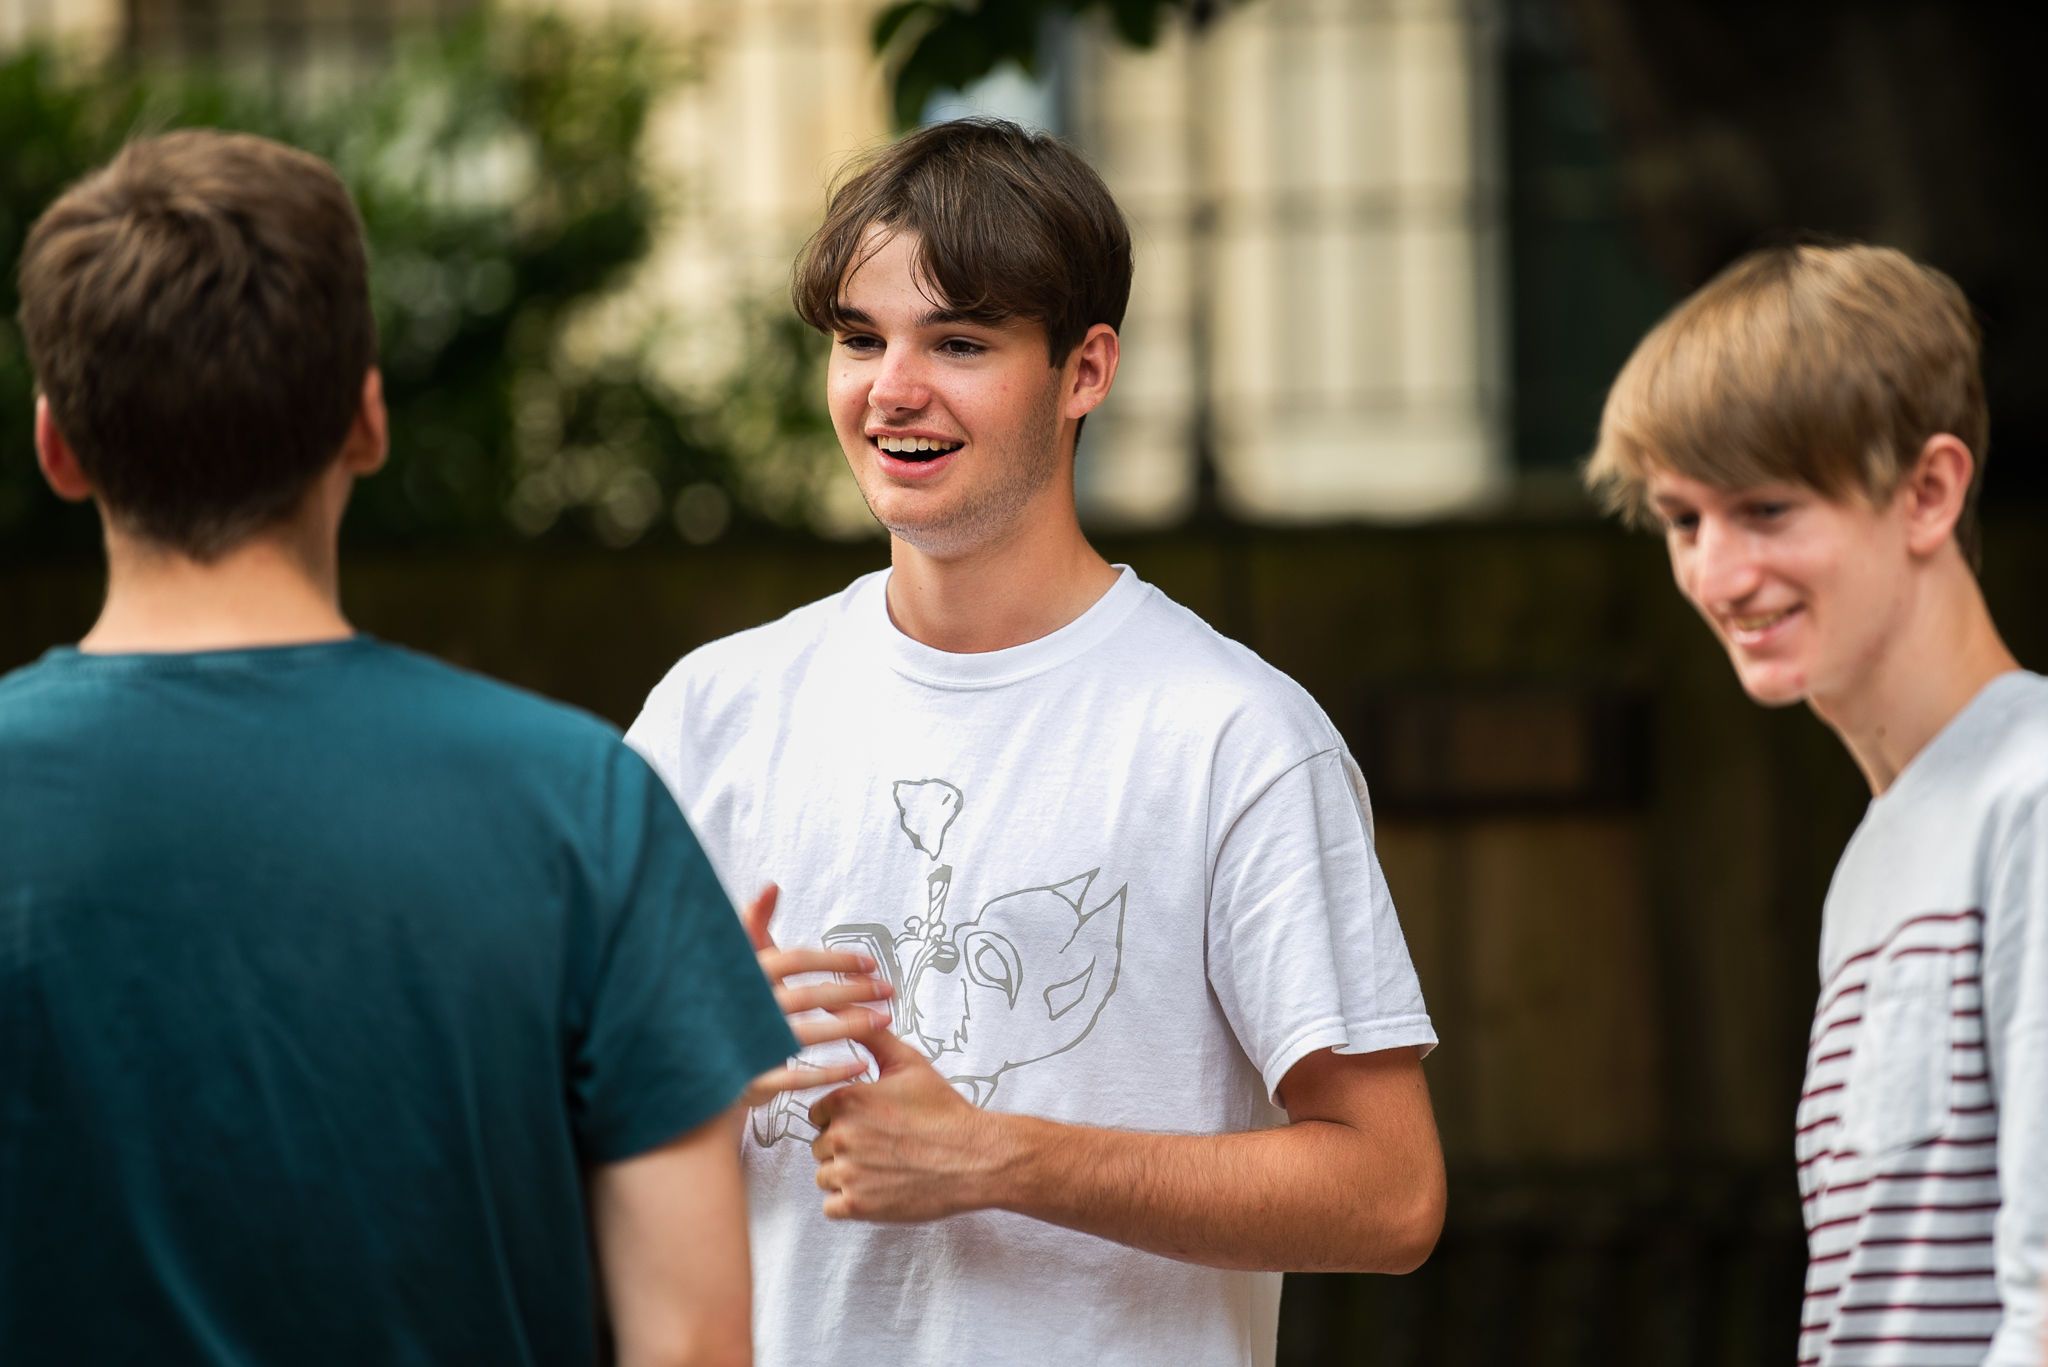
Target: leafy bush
x,y
499,173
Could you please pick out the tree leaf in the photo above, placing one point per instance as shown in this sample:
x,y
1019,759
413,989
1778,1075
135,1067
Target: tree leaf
x,y
1137,22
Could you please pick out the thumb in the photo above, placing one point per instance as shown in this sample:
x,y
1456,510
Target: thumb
x,y
757,915
892,1052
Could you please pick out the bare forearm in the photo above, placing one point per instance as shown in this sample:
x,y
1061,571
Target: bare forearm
x,y
1311,1196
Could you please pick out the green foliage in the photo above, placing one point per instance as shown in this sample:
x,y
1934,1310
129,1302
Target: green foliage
x,y
933,46
498,167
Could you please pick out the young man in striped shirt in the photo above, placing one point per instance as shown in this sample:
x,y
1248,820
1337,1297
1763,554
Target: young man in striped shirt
x,y
1808,431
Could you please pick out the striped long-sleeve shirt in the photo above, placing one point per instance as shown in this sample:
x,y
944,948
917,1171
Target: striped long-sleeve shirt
x,y
1922,1135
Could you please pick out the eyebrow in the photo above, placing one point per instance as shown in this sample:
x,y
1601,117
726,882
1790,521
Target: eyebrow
x,y
931,318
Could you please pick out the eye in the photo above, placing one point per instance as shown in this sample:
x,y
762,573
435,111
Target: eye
x,y
860,343
1768,510
992,961
1680,524
962,347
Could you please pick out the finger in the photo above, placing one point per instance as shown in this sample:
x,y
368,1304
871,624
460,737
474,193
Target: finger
x,y
826,996
840,1025
758,914
780,963
793,1078
821,1149
828,1105
828,1177
892,1052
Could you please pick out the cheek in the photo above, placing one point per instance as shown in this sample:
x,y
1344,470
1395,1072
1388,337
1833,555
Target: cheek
x,y
846,400
1681,572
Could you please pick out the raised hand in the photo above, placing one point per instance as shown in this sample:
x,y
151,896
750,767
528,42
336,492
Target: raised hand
x,y
854,1003
906,1146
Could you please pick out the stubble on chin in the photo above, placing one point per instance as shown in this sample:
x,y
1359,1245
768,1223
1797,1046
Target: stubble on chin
x,y
994,511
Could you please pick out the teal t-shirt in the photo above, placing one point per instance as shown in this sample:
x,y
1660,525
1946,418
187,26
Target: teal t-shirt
x,y
325,973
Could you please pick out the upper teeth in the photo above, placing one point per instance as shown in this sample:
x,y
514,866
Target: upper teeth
x,y
904,444
1759,623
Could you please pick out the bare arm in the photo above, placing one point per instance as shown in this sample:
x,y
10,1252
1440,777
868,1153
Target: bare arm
x,y
1354,1182
671,1235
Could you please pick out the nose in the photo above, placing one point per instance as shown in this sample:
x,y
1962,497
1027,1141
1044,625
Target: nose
x,y
900,384
1720,568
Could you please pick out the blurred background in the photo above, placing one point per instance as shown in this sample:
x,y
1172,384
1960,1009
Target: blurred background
x,y
1390,252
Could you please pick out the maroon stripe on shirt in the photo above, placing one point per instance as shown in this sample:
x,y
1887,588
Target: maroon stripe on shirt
x,y
1831,1002
1905,1177
1871,1306
1957,1242
1973,1209
1929,917
1835,1025
1868,1340
1973,1175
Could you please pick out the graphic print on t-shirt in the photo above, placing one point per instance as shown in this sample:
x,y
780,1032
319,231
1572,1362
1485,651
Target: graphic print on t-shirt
x,y
1024,980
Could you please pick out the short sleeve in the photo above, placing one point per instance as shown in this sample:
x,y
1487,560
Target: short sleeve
x,y
2016,1038
1305,951
670,1016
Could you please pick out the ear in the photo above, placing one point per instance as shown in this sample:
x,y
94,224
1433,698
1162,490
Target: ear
x,y
369,436
1089,372
58,461
1933,492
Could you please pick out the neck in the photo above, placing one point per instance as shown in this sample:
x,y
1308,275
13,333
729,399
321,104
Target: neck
x,y
271,590
1928,672
997,596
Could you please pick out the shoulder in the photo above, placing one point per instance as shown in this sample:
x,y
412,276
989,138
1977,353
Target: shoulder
x,y
2007,757
22,687
460,703
1221,683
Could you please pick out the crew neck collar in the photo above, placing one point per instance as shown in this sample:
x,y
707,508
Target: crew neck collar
x,y
280,653
994,668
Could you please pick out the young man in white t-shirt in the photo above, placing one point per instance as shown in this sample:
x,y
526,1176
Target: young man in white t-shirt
x,y
1151,1033
1809,431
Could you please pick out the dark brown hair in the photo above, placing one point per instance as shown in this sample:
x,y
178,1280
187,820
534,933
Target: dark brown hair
x,y
1823,366
1010,224
198,316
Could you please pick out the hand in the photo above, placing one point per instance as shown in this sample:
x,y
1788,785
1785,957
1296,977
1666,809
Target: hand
x,y
849,1020
905,1146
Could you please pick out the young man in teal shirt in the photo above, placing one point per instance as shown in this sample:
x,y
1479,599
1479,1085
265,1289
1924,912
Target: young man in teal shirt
x,y
348,1003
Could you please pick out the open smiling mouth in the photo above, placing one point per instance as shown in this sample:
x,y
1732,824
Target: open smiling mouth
x,y
916,449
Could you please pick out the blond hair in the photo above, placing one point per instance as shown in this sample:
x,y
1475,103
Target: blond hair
x,y
1823,366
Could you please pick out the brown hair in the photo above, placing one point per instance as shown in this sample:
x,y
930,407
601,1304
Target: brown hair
x,y
198,316
1010,224
1824,366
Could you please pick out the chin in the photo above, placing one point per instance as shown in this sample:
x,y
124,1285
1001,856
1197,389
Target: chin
x,y
1774,686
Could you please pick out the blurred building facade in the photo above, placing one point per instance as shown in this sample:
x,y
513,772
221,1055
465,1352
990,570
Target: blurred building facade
x,y
1317,330
1314,186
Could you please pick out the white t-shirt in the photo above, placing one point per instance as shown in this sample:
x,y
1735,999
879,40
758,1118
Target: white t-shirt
x,y
1923,1131
1123,876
